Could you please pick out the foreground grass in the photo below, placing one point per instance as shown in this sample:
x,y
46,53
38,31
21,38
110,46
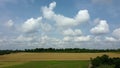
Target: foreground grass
x,y
53,64
10,63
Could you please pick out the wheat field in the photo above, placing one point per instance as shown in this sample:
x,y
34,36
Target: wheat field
x,y
52,56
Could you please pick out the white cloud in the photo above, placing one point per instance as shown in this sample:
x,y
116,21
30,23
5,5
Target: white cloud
x,y
52,5
31,25
70,38
64,21
101,28
71,32
44,39
9,24
67,38
97,38
34,25
77,38
110,39
45,26
82,16
77,32
23,38
48,13
116,33
82,38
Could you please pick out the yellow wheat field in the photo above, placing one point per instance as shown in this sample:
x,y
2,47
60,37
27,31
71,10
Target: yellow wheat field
x,y
52,56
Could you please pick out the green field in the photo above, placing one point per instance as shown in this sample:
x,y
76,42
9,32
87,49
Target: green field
x,y
52,64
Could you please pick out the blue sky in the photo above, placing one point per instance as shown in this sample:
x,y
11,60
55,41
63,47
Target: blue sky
x,y
90,24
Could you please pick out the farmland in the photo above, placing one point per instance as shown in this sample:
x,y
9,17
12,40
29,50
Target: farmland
x,y
52,64
51,60
52,56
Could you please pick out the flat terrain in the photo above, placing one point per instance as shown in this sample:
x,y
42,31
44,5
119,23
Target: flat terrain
x,y
10,63
49,60
52,64
52,56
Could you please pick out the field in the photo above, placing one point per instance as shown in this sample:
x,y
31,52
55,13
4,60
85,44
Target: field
x,y
52,64
49,60
9,63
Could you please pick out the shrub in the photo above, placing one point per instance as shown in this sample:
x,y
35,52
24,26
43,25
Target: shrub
x,y
105,62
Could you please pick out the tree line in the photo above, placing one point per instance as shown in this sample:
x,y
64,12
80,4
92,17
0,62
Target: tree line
x,y
71,50
66,50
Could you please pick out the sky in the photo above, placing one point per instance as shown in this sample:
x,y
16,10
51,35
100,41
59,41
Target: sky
x,y
90,24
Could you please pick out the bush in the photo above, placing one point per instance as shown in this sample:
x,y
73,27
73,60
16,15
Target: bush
x,y
105,61
106,66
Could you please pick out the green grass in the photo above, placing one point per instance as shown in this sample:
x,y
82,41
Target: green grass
x,y
9,63
53,64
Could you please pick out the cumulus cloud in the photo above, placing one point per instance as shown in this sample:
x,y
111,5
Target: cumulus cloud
x,y
34,25
48,13
82,16
71,32
101,28
22,42
71,37
31,25
116,33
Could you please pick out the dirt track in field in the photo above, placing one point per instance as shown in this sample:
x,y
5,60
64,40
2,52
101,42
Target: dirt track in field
x,y
52,56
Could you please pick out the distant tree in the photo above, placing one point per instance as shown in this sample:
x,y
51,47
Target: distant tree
x,y
66,50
